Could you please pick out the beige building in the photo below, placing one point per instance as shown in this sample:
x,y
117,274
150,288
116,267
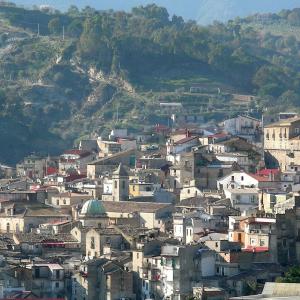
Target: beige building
x,y
33,167
107,164
149,214
102,279
101,241
282,143
23,220
67,200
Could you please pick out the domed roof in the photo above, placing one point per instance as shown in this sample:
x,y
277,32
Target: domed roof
x,y
92,208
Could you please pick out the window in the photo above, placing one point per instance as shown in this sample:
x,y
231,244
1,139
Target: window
x,y
138,255
116,184
284,243
92,242
285,135
297,130
242,178
239,237
123,184
7,227
37,272
188,191
232,178
57,284
133,188
65,202
57,202
57,274
261,243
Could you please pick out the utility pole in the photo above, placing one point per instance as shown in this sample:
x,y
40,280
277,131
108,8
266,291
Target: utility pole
x,y
63,32
38,27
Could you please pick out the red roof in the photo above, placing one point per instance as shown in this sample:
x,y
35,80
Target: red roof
x,y
73,177
260,178
268,172
256,249
81,153
51,171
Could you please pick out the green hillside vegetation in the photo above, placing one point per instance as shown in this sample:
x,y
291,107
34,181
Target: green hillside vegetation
x,y
65,76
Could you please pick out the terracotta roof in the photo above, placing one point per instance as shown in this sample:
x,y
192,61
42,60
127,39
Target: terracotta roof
x,y
255,249
267,172
260,178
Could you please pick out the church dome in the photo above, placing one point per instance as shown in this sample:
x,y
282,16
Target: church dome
x,y
92,208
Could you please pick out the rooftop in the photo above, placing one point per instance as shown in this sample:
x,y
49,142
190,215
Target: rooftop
x,y
131,206
186,140
284,123
244,191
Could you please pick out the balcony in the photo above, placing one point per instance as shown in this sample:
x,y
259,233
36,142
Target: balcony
x,y
150,272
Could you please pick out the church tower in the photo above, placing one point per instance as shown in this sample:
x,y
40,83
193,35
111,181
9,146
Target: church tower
x,y
120,190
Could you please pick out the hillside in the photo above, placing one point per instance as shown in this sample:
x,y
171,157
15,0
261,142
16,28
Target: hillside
x,y
113,69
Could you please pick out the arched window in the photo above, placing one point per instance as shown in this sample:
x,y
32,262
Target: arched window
x,y
7,227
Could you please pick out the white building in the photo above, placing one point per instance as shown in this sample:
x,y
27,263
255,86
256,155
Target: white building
x,y
241,179
183,145
244,126
243,199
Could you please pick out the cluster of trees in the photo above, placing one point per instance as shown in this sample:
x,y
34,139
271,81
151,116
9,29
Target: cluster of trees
x,y
148,40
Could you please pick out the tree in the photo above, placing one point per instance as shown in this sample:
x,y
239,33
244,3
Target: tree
x,y
75,28
294,17
291,276
289,98
54,26
73,11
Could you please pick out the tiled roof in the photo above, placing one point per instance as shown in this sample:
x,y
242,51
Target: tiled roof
x,y
267,172
285,122
43,238
186,140
44,212
130,206
260,178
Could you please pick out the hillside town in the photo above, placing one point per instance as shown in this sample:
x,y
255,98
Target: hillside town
x,y
194,212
